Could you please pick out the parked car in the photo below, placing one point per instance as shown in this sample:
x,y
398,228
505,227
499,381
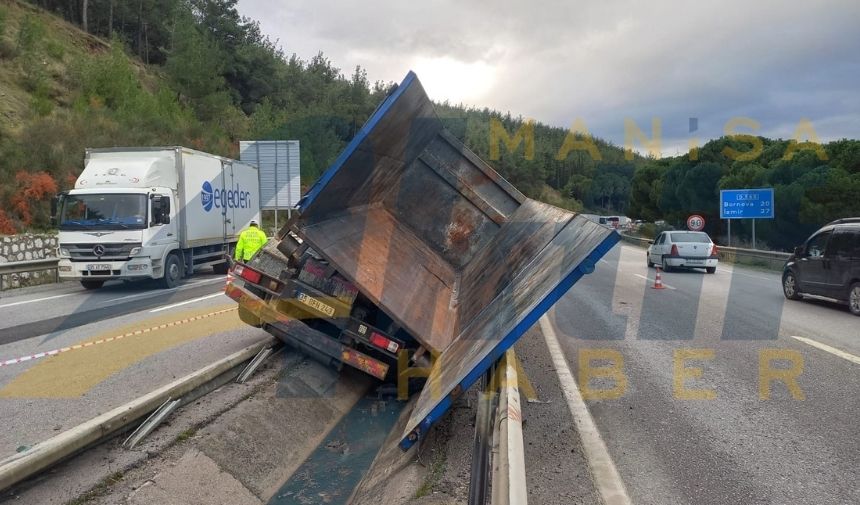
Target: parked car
x,y
683,249
827,265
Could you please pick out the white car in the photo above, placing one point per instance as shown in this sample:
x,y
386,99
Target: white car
x,y
683,249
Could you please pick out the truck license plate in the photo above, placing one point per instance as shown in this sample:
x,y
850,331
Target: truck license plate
x,y
316,304
98,267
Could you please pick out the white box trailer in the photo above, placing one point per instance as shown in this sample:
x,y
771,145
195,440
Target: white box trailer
x,y
160,213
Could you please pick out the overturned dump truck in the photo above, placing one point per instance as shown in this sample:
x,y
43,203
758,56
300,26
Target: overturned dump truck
x,y
410,243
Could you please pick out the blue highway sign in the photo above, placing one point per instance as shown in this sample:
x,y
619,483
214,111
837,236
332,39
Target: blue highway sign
x,y
746,203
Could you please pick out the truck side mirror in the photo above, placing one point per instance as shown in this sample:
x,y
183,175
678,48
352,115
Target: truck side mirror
x,y
55,204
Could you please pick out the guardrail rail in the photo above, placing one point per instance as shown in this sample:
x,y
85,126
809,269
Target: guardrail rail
x,y
28,266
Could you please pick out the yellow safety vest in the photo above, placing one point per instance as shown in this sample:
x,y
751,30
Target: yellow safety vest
x,y
250,241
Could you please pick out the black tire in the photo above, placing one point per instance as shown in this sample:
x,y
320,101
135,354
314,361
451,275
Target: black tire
x,y
172,272
854,298
648,260
221,268
711,270
790,287
92,284
665,266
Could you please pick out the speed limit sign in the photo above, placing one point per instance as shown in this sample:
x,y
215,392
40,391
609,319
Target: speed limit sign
x,y
696,223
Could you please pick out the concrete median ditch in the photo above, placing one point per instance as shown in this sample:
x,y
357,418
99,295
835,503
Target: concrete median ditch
x,y
28,463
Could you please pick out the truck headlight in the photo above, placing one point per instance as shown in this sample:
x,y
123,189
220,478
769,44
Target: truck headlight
x,y
134,252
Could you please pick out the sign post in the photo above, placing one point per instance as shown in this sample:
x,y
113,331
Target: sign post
x,y
746,204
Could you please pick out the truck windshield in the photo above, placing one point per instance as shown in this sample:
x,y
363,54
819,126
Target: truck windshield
x,y
108,212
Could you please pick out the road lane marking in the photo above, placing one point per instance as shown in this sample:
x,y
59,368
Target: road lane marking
x,y
826,348
606,477
652,280
14,304
733,272
186,302
156,292
54,352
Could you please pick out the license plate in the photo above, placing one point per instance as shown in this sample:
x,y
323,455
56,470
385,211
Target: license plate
x,y
316,304
99,267
695,262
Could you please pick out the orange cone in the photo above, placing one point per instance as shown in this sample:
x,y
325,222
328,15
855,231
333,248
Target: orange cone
x,y
658,280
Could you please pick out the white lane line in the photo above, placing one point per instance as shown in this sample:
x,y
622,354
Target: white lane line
x,y
652,280
84,345
606,477
14,304
826,348
157,292
186,302
733,272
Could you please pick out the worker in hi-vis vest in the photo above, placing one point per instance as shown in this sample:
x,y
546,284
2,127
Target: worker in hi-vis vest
x,y
250,241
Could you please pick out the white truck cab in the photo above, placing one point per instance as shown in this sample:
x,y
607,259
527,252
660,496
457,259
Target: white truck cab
x,y
157,213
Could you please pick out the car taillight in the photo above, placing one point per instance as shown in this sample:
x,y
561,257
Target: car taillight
x,y
674,250
247,274
714,250
381,342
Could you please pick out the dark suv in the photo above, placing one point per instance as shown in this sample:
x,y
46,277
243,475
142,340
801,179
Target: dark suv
x,y
827,265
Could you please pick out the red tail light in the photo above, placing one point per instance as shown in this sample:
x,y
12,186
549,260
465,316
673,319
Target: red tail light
x,y
714,250
383,343
248,274
674,250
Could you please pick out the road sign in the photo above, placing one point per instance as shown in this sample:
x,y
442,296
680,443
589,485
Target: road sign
x,y
746,203
695,223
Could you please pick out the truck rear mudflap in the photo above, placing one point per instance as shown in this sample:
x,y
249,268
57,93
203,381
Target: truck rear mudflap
x,y
292,331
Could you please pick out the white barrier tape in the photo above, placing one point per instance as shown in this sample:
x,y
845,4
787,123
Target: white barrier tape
x,y
111,339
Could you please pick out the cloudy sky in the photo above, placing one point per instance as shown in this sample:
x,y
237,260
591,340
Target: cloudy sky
x,y
775,62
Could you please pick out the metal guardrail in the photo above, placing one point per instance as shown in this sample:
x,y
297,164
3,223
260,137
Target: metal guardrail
x,y
22,267
771,259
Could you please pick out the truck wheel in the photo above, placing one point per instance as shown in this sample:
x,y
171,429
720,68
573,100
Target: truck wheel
x,y
172,272
92,284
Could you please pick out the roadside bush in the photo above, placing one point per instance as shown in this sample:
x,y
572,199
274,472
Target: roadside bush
x,y
4,15
8,50
648,230
41,102
30,33
55,50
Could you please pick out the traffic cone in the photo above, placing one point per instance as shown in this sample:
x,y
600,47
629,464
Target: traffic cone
x,y
658,280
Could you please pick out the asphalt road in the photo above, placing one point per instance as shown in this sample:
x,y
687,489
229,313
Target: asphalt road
x,y
115,344
710,424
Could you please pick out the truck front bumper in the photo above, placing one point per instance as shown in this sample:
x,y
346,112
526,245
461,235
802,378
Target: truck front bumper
x,y
257,312
138,268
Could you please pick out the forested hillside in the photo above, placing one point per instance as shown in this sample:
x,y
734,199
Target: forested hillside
x,y
97,73
813,184
194,72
